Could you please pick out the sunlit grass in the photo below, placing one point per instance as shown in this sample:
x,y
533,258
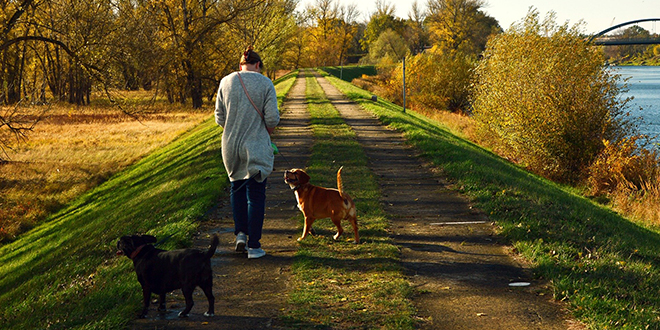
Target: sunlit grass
x,y
642,204
64,273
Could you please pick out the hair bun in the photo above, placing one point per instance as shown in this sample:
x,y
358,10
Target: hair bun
x,y
247,52
250,57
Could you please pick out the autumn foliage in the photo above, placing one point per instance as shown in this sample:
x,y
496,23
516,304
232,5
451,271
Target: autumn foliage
x,y
434,80
546,94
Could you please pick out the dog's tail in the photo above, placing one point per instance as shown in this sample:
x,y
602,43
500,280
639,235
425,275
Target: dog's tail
x,y
340,185
214,245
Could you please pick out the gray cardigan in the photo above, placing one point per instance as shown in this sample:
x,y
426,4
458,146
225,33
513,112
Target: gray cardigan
x,y
246,148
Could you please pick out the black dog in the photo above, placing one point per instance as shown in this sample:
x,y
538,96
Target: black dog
x,y
161,271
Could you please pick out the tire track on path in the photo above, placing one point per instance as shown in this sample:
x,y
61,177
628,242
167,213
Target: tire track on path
x,y
461,269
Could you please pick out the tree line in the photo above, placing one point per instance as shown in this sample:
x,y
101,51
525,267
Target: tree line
x,y
636,54
67,49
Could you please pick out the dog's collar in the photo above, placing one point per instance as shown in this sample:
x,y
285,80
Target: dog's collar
x,y
137,251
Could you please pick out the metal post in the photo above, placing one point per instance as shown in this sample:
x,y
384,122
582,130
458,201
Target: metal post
x,y
404,84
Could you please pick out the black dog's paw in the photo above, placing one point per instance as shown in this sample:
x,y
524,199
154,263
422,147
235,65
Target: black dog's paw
x,y
181,315
207,314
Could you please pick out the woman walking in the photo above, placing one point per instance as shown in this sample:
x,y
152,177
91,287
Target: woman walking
x,y
246,107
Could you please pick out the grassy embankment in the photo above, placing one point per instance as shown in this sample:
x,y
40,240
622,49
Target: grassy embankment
x,y
75,148
339,284
604,266
64,274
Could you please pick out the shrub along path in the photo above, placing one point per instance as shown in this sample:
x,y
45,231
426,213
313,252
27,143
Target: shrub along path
x,y
449,250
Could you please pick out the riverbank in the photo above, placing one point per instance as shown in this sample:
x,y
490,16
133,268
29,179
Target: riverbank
x,y
654,61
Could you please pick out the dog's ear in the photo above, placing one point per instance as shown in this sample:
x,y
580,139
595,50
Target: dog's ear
x,y
121,239
302,177
149,239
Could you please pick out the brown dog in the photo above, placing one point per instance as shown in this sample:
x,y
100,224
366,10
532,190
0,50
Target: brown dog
x,y
160,271
318,202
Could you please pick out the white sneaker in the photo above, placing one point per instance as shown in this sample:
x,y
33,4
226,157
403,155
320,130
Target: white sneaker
x,y
256,253
241,241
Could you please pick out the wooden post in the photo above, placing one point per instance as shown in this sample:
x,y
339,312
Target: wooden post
x,y
404,84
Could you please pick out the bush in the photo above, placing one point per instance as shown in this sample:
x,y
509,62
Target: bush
x,y
623,166
547,95
389,45
434,81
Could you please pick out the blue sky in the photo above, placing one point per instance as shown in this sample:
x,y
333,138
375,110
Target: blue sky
x,y
597,14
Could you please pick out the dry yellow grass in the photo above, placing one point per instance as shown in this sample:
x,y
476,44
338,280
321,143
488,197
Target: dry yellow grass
x,y
74,149
643,204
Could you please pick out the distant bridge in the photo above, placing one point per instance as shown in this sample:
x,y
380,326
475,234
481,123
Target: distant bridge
x,y
600,38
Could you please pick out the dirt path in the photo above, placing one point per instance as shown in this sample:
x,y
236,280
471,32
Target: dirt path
x,y
461,270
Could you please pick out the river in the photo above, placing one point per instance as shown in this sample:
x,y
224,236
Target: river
x,y
644,86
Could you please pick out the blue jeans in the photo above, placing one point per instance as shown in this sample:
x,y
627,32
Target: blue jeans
x,y
248,203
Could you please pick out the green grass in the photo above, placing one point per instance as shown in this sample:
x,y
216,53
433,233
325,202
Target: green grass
x,y
348,73
64,274
606,268
339,284
283,85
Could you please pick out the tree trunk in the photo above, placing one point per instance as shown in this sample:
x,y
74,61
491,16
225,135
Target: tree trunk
x,y
196,93
193,84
